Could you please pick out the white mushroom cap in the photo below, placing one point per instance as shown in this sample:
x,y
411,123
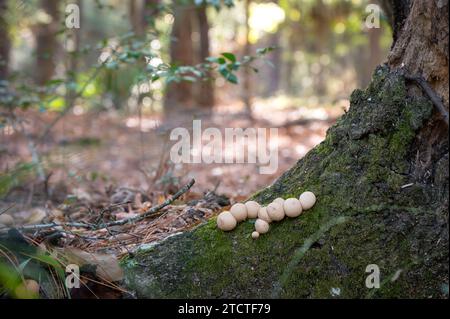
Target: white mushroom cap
x,y
252,209
239,211
279,201
261,226
6,219
275,211
255,235
226,221
292,207
262,214
307,199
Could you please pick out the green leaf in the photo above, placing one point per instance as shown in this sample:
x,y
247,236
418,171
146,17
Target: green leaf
x,y
189,78
230,56
54,82
111,65
235,66
216,60
230,77
263,51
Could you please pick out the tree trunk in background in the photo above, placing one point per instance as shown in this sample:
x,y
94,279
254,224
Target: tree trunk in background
x,y
135,16
205,93
370,57
396,13
274,69
150,11
72,43
321,18
246,72
181,53
5,43
142,14
294,39
375,54
381,178
46,42
273,84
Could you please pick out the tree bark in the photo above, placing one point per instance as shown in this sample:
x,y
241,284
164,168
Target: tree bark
x,y
421,45
380,200
46,42
5,44
421,49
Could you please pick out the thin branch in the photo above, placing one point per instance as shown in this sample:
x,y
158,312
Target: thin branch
x,y
300,122
431,94
7,208
77,95
108,208
49,225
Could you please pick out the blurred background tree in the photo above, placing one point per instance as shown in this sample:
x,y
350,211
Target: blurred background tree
x,y
159,59
5,43
323,46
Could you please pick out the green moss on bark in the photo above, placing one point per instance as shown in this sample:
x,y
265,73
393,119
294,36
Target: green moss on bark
x,y
364,215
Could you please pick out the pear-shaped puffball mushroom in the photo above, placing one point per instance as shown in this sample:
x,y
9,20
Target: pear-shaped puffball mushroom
x,y
252,209
255,235
28,289
275,211
6,220
261,226
292,207
32,286
262,214
279,201
307,199
239,211
226,221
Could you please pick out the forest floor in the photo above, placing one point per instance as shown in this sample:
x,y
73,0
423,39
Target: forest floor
x,y
104,167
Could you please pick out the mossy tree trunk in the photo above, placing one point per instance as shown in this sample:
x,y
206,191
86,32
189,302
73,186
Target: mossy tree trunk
x,y
381,178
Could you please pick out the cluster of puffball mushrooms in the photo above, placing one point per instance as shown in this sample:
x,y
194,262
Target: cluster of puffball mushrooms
x,y
274,212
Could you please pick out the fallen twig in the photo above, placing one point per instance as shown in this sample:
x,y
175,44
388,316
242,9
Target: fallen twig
x,y
6,209
49,225
106,209
300,122
146,214
152,210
